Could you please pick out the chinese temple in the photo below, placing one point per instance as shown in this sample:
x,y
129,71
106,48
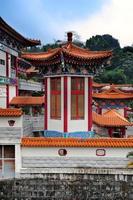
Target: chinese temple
x,y
65,138
67,73
113,98
11,42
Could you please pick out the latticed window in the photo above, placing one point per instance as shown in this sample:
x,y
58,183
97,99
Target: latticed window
x,y
77,98
55,100
7,161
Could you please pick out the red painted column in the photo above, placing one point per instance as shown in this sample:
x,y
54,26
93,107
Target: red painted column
x,y
89,103
65,105
110,132
45,104
16,68
7,75
125,112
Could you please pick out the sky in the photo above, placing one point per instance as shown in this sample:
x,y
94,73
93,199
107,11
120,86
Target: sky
x,y
49,20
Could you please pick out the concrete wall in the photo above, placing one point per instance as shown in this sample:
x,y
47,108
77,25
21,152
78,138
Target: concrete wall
x,y
12,92
74,152
3,96
33,158
70,186
10,132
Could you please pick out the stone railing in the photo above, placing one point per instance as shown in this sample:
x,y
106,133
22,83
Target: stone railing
x,y
30,85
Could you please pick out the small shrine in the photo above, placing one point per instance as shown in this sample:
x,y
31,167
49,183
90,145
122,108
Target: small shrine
x,y
110,124
67,73
113,98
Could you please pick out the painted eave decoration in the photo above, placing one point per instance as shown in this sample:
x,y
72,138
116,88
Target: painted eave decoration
x,y
112,93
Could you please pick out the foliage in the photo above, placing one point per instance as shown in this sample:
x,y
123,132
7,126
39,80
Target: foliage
x,y
102,42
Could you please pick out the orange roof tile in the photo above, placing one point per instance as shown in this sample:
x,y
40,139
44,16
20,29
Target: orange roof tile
x,y
110,118
27,100
68,49
74,142
112,93
12,112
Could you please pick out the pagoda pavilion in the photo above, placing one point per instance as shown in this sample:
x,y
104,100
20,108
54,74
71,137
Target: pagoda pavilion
x,y
67,73
113,98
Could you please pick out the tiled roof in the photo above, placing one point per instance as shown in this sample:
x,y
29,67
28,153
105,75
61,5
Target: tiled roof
x,y
72,142
17,36
110,118
113,93
70,50
27,100
12,112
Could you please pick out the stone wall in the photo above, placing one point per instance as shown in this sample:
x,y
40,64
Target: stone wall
x,y
96,162
69,186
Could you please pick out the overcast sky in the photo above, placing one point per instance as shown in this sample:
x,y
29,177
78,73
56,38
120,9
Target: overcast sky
x,y
48,20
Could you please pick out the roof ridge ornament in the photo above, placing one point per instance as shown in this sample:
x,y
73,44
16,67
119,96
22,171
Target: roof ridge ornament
x,y
69,36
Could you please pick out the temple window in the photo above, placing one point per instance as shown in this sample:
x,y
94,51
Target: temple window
x,y
55,100
77,98
62,152
7,161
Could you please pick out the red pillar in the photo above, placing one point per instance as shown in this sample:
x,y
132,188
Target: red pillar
x,y
125,112
110,132
123,132
45,104
16,68
7,75
65,105
89,103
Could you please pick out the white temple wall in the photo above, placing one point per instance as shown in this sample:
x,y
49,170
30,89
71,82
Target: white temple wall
x,y
73,152
12,92
3,96
4,121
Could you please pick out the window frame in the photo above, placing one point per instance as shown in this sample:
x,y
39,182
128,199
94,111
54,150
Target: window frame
x,y
3,158
78,92
55,93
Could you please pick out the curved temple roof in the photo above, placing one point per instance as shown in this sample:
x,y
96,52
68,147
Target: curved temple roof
x,y
110,118
27,100
70,50
112,93
17,36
